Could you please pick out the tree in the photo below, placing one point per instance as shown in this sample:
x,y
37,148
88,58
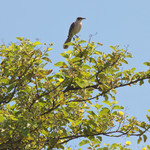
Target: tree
x,y
43,109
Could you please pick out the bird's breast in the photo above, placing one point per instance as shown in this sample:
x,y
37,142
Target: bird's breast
x,y
78,28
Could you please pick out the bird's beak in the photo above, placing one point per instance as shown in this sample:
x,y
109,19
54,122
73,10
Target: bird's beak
x,y
83,18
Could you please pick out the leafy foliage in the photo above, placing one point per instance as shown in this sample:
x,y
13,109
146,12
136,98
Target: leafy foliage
x,y
42,109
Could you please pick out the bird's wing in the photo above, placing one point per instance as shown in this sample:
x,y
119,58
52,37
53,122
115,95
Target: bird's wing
x,y
70,30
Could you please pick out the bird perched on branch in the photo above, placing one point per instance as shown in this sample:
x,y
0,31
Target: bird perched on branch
x,y
74,29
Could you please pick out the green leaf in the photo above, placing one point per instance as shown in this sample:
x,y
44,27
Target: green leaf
x,y
91,44
41,104
81,83
69,43
113,47
47,59
106,97
70,120
118,107
13,107
10,87
13,117
1,118
104,111
97,52
133,69
129,55
107,102
83,142
64,55
65,113
145,138
20,38
76,39
45,133
92,60
86,67
92,113
104,148
82,41
69,52
139,140
25,131
124,61
77,122
36,43
114,146
147,63
141,82
98,106
75,59
60,63
49,49
114,91
100,138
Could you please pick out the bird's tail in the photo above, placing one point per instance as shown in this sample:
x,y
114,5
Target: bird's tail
x,y
68,40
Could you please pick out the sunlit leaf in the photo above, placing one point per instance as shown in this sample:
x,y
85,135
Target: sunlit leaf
x,y
107,102
82,41
86,67
83,142
98,106
46,59
118,107
48,71
112,47
104,111
20,38
36,43
147,63
114,91
64,55
128,143
124,61
91,113
49,49
1,118
69,44
60,63
120,113
99,43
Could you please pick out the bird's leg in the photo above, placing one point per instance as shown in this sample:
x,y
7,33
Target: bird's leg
x,y
76,36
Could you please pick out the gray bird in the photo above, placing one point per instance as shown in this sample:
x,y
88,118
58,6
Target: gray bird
x,y
74,29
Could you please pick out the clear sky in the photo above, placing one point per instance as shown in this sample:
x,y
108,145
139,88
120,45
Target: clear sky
x,y
123,22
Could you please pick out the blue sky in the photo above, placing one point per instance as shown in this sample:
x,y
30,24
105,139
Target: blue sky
x,y
116,22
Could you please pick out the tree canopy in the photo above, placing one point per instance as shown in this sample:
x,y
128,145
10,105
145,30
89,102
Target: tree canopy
x,y
43,108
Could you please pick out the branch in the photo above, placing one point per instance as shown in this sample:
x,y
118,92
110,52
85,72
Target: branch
x,y
99,71
11,96
53,108
108,90
132,82
109,134
69,138
107,64
78,88
44,94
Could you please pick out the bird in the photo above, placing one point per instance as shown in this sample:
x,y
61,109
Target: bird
x,y
74,29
